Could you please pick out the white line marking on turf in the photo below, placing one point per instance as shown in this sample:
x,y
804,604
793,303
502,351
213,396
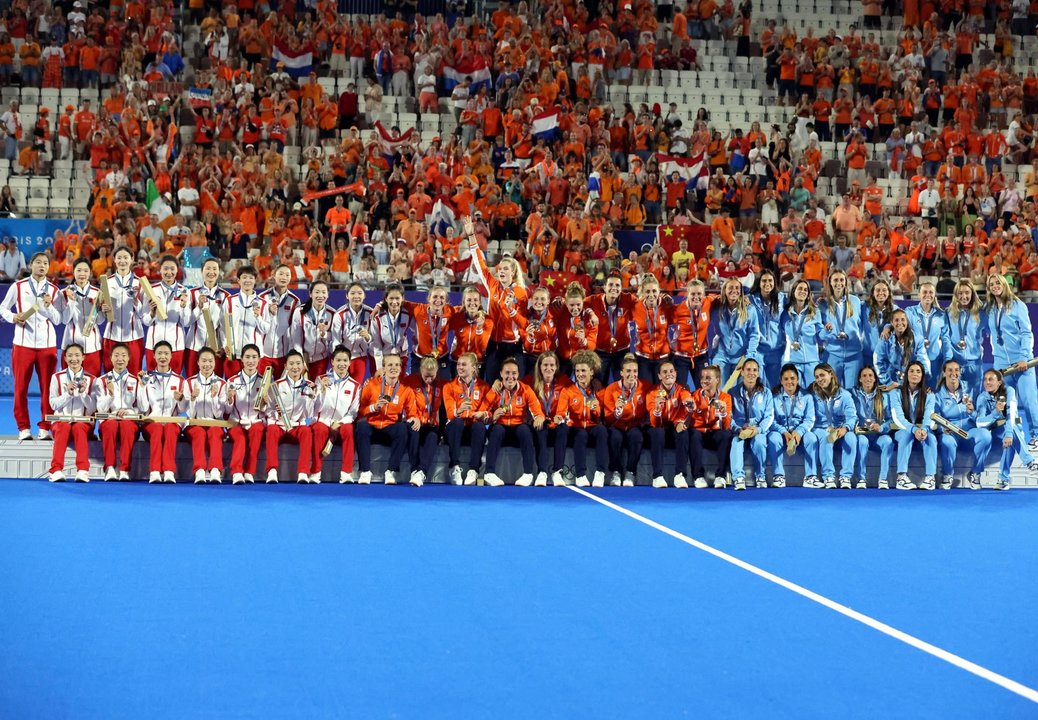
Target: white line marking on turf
x,y
971,667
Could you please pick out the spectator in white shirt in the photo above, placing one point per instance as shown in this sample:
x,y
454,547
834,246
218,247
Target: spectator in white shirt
x,y
12,261
929,201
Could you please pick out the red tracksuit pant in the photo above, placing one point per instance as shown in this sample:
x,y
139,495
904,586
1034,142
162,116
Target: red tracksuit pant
x,y
321,435
80,433
245,447
202,439
24,361
162,437
302,435
118,434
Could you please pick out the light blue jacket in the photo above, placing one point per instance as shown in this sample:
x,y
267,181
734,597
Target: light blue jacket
x,y
771,340
847,316
793,414
807,331
903,421
952,407
836,412
733,339
892,359
931,333
865,406
1010,331
757,410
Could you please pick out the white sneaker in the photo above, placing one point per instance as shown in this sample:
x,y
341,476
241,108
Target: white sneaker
x,y
947,481
700,483
928,483
272,476
124,476
303,479
25,434
524,480
237,479
845,483
456,475
154,477
659,482
470,477
111,474
740,483
200,477
249,479
492,480
389,478
599,479
903,483
169,477
830,483
541,480
720,483
315,478
418,478
557,480
628,482
215,476
860,485
883,484
616,480
1001,484
582,481
365,478
680,483
972,481
346,478
761,482
1033,443
82,476
779,481
44,435
56,476
812,481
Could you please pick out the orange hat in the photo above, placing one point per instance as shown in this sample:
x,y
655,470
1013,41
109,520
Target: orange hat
x,y
70,108
44,111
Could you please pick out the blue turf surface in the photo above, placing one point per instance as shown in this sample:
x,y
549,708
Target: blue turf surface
x,y
331,601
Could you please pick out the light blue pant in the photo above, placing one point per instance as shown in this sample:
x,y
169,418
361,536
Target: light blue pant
x,y
777,453
826,451
846,364
884,444
807,372
979,440
727,367
1006,463
1027,399
758,445
905,440
772,368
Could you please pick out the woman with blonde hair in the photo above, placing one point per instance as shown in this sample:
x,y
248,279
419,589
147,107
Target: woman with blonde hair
x,y
736,329
843,320
966,333
508,295
548,384
649,324
835,419
1012,345
580,409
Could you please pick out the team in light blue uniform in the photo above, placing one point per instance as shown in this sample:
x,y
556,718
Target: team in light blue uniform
x,y
873,408
844,329
878,311
911,409
1012,342
997,412
966,326
801,326
897,351
930,327
752,411
954,403
769,304
835,418
794,420
737,333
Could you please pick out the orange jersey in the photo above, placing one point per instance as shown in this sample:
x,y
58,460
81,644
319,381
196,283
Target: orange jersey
x,y
580,407
538,330
520,403
401,403
456,392
568,329
649,327
430,331
428,399
505,302
673,409
468,336
704,412
551,396
614,333
625,408
691,340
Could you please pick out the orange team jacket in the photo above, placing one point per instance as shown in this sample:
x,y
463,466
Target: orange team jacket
x,y
428,399
614,333
400,406
469,338
573,407
567,327
505,303
430,332
634,411
690,340
456,392
519,404
704,414
675,407
649,329
551,397
538,329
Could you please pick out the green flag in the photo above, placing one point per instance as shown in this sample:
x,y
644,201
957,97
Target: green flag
x,y
151,194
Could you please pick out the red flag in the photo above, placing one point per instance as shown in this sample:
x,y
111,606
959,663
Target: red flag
x,y
556,281
698,237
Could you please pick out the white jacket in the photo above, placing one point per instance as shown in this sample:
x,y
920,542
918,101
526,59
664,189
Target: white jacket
x,y
155,394
124,397
126,324
339,401
306,337
75,314
242,408
38,331
346,330
211,403
246,326
174,328
297,399
197,336
78,403
391,335
278,340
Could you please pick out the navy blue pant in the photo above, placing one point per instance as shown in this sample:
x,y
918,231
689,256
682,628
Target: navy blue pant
x,y
625,441
497,353
658,437
599,438
457,432
551,447
395,436
688,369
648,370
612,362
423,447
720,441
521,435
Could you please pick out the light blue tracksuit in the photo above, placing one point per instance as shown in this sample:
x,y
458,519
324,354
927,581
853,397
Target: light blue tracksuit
x,y
931,335
892,358
734,340
865,406
1012,340
966,339
873,339
847,317
751,410
793,414
834,413
952,407
802,334
904,422
996,423
772,344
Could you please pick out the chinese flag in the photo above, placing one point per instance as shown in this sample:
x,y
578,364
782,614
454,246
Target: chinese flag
x,y
698,237
556,281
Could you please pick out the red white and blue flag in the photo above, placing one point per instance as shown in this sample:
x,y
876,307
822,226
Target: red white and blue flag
x,y
545,124
475,68
298,63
